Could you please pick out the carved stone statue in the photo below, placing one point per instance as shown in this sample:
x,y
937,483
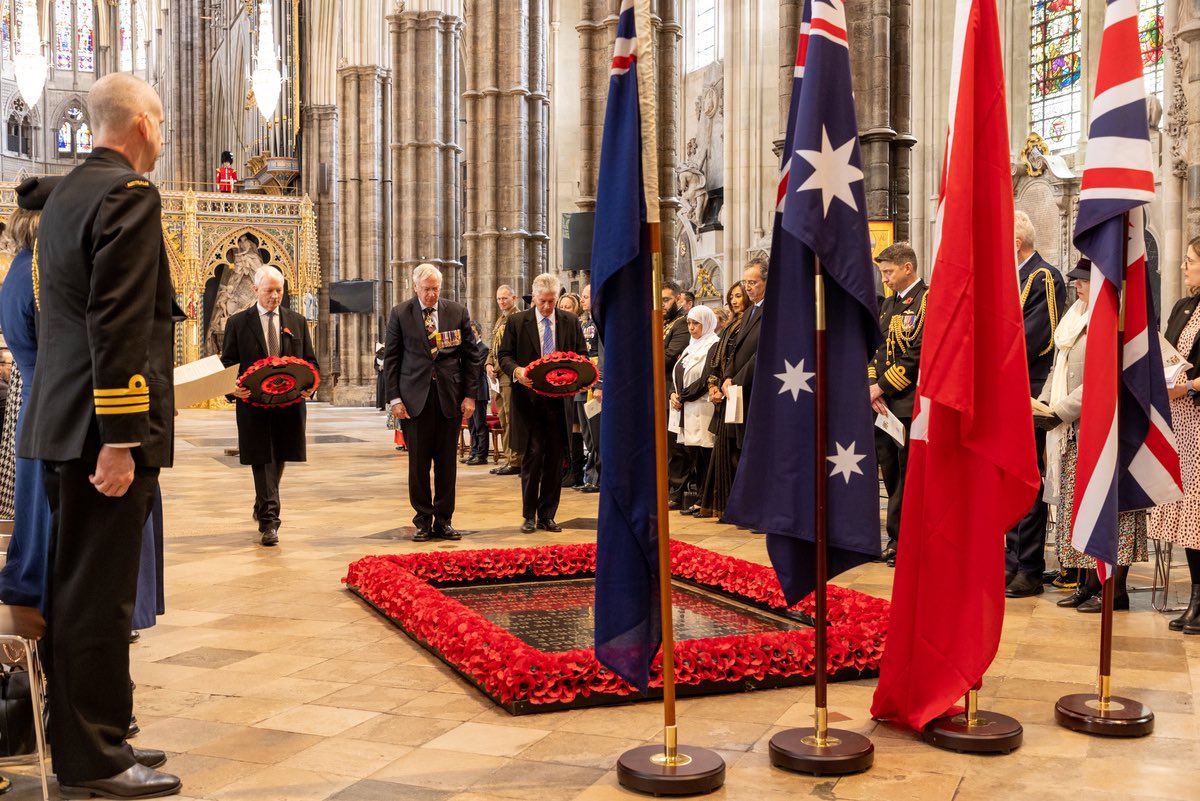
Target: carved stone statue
x,y
235,290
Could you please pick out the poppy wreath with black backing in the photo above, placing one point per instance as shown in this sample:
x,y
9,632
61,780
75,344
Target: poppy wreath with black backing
x,y
278,381
560,373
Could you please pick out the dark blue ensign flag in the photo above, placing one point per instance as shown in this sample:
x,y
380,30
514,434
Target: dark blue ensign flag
x,y
628,626
821,215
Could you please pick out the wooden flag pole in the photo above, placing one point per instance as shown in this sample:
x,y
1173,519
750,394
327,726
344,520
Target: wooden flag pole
x,y
669,769
818,749
1102,712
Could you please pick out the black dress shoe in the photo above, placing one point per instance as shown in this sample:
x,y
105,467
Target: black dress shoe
x,y
1024,585
691,510
1096,605
270,537
134,729
548,524
495,470
138,781
150,757
889,554
527,527
423,535
1082,595
508,470
673,504
445,531
589,488
134,636
476,460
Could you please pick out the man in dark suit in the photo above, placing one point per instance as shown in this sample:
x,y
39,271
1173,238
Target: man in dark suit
x,y
541,425
675,341
431,369
1043,299
268,438
101,418
893,373
740,370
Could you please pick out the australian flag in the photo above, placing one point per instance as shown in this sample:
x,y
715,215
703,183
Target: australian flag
x,y
628,626
821,214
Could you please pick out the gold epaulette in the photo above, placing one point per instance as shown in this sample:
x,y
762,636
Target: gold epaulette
x,y
897,338
1051,303
132,399
897,377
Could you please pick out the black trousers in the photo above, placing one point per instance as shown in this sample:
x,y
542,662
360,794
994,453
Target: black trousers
x,y
266,493
679,466
541,463
432,440
893,464
479,430
95,545
590,426
698,459
1025,544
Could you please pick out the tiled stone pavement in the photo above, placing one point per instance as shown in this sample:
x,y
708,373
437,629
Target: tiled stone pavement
x,y
267,680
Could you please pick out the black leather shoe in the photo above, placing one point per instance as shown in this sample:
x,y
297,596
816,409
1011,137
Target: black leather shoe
x,y
673,504
495,470
150,757
134,636
527,527
476,460
423,535
270,537
138,781
589,488
134,729
889,553
690,511
549,525
1024,586
445,531
1096,605
1082,595
509,470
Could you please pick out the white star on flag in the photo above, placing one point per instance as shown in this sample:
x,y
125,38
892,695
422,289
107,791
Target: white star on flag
x,y
832,171
846,461
794,379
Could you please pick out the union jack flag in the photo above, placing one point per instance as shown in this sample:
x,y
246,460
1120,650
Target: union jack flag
x,y
1128,458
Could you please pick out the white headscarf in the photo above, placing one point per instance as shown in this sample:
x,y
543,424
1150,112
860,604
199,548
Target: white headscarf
x,y
708,327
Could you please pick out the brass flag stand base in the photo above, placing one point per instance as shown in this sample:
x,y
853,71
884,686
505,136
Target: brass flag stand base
x,y
1102,712
671,771
822,751
974,731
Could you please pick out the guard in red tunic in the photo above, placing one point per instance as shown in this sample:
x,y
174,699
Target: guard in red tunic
x,y
226,175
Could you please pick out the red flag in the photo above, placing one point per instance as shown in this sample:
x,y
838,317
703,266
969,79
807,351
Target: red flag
x,y
972,469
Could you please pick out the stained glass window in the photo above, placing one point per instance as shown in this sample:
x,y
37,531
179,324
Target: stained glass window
x,y
62,35
85,53
1054,67
1150,32
140,36
64,139
83,138
124,36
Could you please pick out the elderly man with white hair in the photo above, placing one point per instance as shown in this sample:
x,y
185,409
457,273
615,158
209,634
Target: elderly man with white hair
x,y
101,419
431,371
268,438
541,426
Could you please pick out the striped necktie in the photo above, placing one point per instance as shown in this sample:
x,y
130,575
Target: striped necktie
x,y
547,337
430,331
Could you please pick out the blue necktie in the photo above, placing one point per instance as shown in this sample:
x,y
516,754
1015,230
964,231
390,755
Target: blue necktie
x,y
547,337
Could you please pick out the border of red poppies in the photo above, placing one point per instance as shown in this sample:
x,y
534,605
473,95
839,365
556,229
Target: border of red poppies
x,y
524,679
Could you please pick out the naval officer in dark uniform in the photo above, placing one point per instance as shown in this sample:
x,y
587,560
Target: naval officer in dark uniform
x,y
893,372
1043,299
101,418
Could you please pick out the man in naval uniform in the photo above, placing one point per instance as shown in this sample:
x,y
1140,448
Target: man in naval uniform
x,y
1043,298
893,372
101,418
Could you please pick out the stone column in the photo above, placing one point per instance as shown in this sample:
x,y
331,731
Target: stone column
x,y
506,111
790,14
901,146
870,30
1175,231
362,206
426,183
319,131
597,26
187,100
667,36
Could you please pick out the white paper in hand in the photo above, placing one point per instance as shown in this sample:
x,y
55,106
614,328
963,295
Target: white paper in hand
x,y
891,425
591,408
198,381
733,405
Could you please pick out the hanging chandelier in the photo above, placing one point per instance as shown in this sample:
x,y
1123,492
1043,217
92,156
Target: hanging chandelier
x,y
266,80
28,61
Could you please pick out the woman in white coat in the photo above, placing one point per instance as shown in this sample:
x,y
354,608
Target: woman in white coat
x,y
691,410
